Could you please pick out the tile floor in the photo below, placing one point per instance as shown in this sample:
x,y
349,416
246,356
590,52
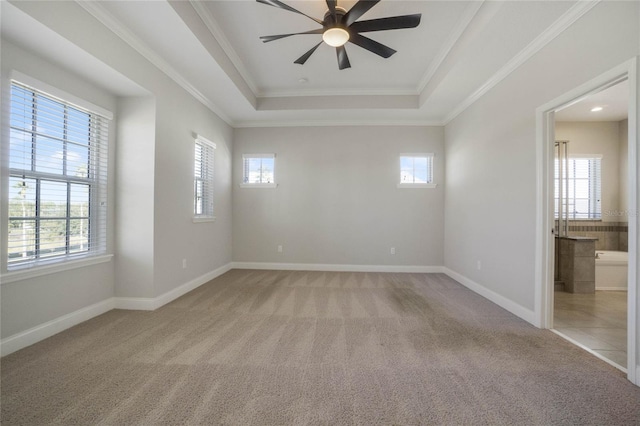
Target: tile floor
x,y
597,321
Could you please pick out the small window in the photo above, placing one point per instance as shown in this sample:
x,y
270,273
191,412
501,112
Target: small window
x,y
416,171
57,180
258,170
203,178
582,192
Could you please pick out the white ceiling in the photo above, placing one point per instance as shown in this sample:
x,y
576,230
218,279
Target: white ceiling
x,y
614,102
271,64
212,48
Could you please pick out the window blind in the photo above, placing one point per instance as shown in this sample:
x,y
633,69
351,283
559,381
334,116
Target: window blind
x,y
57,179
583,189
203,177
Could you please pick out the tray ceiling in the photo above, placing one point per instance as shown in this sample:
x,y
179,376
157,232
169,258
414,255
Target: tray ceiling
x,y
212,48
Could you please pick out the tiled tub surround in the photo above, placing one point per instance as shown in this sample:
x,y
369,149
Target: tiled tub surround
x,y
575,264
610,235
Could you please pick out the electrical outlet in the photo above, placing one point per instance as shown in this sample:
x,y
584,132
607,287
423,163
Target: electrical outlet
x,y
393,250
184,263
479,265
279,249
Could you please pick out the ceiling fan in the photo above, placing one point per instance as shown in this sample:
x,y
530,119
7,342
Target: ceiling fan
x,y
340,26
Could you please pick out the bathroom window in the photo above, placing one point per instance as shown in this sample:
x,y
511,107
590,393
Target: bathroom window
x,y
416,171
203,180
582,192
258,171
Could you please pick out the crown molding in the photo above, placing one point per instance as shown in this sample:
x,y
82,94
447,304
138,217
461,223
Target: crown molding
x,y
455,35
334,123
214,28
554,30
119,29
338,92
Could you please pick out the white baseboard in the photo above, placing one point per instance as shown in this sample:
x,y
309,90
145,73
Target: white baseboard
x,y
55,326
134,303
335,267
172,295
153,303
503,302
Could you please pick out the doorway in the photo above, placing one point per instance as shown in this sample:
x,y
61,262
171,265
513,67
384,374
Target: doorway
x,y
591,213
547,115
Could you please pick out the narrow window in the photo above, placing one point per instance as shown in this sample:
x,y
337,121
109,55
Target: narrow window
x,y
258,170
416,171
57,180
203,178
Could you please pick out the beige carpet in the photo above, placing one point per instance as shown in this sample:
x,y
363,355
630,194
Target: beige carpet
x,y
276,348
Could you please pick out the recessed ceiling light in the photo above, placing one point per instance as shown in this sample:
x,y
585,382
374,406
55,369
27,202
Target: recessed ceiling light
x,y
596,109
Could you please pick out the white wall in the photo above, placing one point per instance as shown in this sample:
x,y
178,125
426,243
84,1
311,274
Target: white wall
x,y
600,138
28,303
135,173
161,186
205,246
491,155
337,200
490,202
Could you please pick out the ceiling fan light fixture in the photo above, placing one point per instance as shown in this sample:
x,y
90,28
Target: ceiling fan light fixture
x,y
335,37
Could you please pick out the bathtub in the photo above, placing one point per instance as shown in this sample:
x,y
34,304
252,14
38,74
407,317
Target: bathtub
x,y
611,270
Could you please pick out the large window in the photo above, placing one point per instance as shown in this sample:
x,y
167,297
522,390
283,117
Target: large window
x,y
582,188
57,179
416,171
258,170
203,178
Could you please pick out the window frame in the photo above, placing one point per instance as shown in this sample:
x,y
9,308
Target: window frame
x,y
430,169
207,167
96,180
244,184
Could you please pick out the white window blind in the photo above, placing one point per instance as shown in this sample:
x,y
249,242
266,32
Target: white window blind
x,y
203,178
258,169
57,193
584,188
416,169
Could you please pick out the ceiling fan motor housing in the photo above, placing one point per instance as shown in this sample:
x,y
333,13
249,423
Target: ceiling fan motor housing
x,y
328,18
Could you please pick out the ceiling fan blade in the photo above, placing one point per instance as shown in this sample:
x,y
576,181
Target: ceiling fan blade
x,y
280,5
391,23
266,39
343,59
371,45
331,4
357,11
302,59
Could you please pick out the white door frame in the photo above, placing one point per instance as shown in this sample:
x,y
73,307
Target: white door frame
x,y
545,137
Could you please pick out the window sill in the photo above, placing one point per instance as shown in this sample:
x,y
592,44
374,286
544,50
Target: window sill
x,y
204,219
416,185
38,271
258,185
